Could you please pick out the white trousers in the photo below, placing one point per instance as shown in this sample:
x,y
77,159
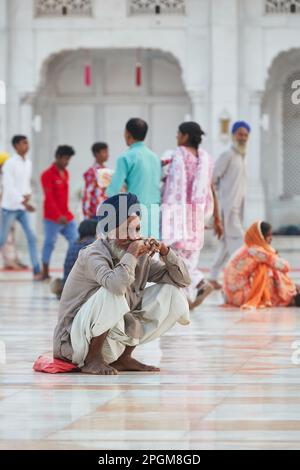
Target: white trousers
x,y
162,306
227,246
232,240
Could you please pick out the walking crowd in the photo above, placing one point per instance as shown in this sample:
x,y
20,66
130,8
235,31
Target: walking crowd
x,y
143,223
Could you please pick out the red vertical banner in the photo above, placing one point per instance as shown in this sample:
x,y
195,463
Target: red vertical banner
x,y
138,68
138,74
87,75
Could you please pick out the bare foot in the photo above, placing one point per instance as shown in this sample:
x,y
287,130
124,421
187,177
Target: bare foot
x,y
130,364
98,369
12,267
41,278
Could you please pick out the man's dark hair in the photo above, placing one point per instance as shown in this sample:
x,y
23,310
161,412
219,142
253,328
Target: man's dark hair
x,y
98,146
64,150
17,138
87,228
137,128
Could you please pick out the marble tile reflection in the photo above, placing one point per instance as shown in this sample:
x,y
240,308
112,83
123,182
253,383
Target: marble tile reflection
x,y
227,381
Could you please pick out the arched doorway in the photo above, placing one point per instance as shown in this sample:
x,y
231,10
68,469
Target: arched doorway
x,y
291,138
281,141
76,114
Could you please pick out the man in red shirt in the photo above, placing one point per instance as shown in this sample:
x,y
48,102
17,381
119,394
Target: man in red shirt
x,y
93,193
57,217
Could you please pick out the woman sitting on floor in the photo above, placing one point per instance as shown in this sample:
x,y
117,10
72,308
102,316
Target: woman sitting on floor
x,y
256,277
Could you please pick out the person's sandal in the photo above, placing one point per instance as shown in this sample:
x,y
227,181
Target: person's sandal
x,y
205,289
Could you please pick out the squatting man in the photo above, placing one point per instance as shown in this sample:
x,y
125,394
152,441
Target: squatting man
x,y
106,310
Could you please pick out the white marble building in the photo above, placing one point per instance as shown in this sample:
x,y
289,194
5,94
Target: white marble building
x,y
209,60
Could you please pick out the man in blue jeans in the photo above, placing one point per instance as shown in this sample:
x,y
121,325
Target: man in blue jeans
x,y
58,219
87,235
16,195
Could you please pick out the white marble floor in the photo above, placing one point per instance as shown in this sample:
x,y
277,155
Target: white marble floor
x,y
227,381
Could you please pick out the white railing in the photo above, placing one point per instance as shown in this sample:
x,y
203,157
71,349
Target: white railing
x,y
282,6
63,8
156,7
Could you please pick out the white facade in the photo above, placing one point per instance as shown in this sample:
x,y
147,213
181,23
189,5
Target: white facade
x,y
207,60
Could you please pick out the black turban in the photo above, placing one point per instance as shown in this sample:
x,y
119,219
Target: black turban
x,y
115,210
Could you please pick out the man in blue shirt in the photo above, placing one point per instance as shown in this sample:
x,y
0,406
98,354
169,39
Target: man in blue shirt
x,y
140,170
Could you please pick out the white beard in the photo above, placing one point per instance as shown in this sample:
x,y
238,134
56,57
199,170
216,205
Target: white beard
x,y
241,148
116,251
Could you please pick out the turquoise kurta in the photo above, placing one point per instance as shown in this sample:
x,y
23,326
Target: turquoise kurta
x,y
140,169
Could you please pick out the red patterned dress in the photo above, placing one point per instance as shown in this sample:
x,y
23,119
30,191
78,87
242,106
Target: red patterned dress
x,y
93,194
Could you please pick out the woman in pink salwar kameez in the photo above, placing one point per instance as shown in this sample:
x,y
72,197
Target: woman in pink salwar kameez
x,y
187,201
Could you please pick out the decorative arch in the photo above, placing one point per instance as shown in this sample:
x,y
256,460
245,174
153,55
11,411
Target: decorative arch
x,y
79,115
74,43
62,58
281,139
286,61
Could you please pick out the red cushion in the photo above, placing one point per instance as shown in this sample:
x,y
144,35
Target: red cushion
x,y
53,366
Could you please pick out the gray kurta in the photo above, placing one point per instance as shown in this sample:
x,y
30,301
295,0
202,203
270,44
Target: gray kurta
x,y
95,268
230,178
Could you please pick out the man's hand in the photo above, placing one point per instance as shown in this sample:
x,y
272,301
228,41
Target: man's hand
x,y
26,198
29,207
158,247
149,246
62,220
218,228
138,248
163,249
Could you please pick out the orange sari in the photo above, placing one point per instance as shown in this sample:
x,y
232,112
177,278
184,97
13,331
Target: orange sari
x,y
262,283
260,295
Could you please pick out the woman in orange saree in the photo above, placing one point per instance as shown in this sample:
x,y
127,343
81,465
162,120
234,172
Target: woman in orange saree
x,y
256,277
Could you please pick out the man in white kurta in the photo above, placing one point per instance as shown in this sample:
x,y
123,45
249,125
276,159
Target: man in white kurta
x,y
230,180
9,253
16,198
